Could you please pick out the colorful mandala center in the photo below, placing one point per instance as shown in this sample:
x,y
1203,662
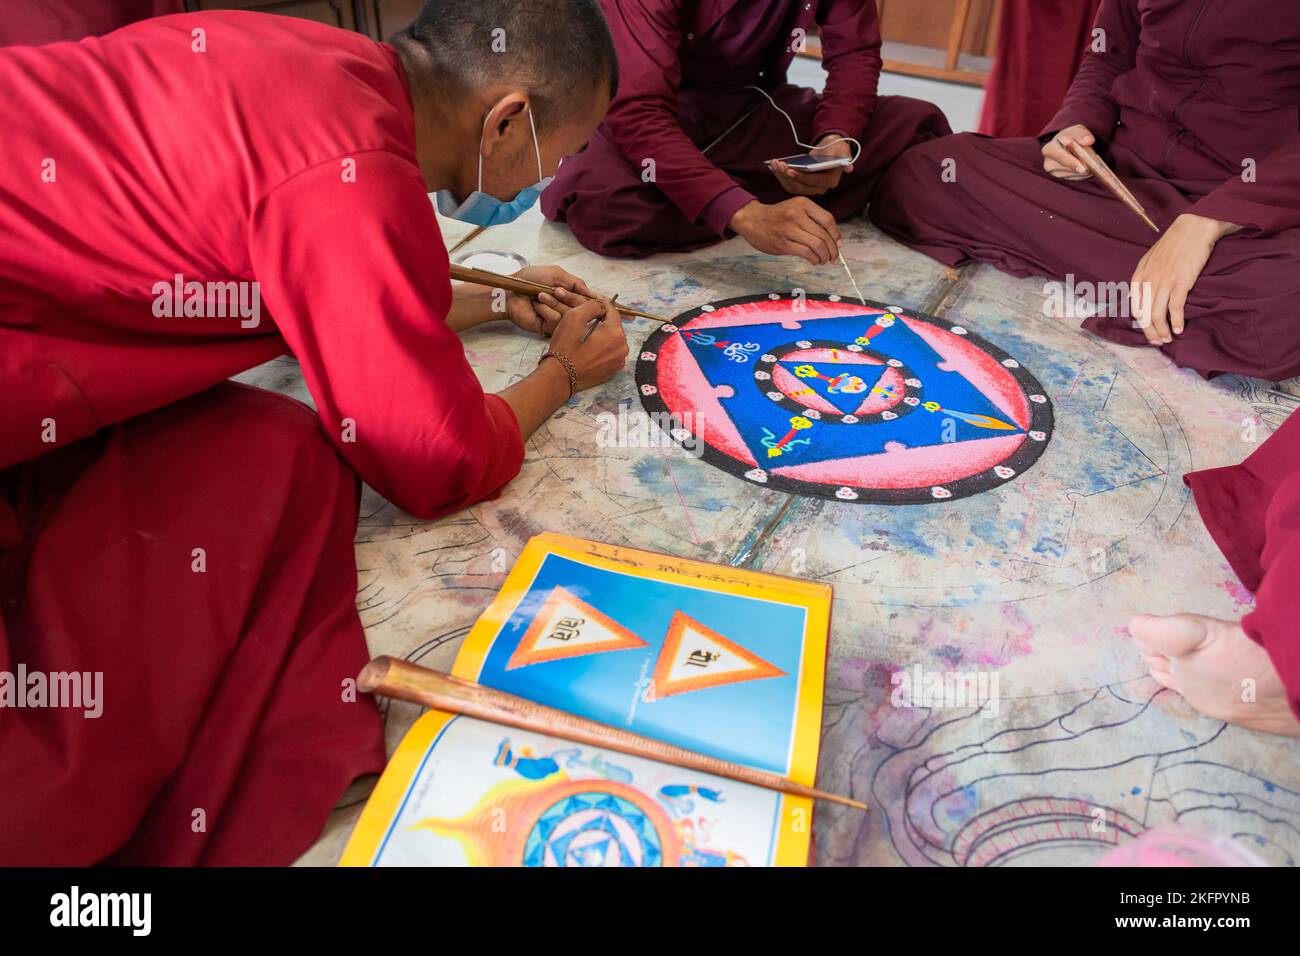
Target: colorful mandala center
x,y
837,384
593,829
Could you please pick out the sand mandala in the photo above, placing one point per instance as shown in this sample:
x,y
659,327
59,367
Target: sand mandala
x,y
824,396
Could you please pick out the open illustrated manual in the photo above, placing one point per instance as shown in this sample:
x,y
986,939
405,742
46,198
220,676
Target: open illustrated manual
x,y
727,662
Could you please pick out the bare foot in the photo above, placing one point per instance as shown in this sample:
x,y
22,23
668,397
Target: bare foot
x,y
1217,668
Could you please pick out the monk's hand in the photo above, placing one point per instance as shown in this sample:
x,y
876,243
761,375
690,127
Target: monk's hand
x,y
795,227
1058,161
800,182
541,315
1160,284
604,353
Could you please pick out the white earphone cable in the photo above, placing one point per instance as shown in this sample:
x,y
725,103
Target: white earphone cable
x,y
795,133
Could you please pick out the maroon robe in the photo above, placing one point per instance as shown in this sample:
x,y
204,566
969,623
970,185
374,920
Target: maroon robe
x,y
682,105
1040,46
1253,512
33,24
1187,95
223,672
224,689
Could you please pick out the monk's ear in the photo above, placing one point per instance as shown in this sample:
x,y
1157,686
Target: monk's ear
x,y
509,110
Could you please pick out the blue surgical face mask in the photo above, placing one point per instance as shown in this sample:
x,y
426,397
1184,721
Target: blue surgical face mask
x,y
481,209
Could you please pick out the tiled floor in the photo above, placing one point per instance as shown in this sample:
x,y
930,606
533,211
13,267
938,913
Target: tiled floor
x,y
1033,581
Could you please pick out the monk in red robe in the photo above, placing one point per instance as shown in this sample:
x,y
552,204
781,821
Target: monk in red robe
x,y
681,159
1195,106
178,630
1040,45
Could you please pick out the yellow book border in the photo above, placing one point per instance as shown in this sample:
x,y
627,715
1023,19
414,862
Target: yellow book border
x,y
386,799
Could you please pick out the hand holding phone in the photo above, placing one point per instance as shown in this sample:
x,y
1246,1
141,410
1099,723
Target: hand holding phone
x,y
808,163
817,172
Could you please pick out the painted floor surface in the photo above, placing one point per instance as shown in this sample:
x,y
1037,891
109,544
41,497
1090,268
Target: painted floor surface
x,y
1033,581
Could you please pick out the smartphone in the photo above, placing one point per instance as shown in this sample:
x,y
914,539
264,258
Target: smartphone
x,y
809,163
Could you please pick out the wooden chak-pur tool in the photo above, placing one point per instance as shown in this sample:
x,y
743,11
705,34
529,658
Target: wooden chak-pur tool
x,y
1106,176
527,287
420,685
474,234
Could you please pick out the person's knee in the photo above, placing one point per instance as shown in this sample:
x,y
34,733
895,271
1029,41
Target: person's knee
x,y
629,221
586,184
269,416
612,206
923,119
596,224
284,441
911,189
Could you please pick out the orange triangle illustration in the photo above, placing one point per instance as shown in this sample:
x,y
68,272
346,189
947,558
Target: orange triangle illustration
x,y
695,657
567,626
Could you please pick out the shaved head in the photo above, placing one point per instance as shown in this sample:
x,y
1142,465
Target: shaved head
x,y
559,51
